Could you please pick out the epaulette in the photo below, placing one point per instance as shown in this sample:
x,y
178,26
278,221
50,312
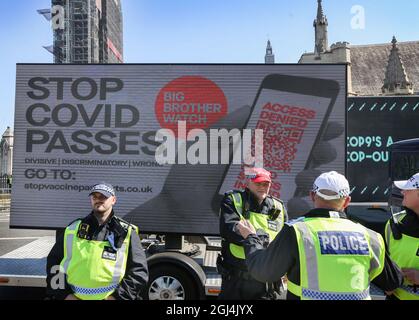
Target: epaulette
x,y
294,221
125,224
233,191
277,199
400,215
78,219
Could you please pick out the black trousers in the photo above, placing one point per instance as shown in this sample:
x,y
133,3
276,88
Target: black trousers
x,y
237,288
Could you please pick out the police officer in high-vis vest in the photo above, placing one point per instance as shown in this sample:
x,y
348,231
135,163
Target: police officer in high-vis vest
x,y
324,255
402,239
99,257
267,214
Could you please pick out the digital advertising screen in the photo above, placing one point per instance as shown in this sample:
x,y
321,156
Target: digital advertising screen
x,y
162,136
374,124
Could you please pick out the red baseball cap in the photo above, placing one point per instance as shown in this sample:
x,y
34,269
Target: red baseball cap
x,y
258,175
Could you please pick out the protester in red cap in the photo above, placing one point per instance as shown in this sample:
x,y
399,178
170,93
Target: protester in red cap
x,y
267,214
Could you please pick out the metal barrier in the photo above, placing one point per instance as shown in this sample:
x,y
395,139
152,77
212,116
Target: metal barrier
x,y
5,191
5,183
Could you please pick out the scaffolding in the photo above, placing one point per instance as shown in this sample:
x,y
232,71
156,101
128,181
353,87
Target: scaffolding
x,y
92,28
112,31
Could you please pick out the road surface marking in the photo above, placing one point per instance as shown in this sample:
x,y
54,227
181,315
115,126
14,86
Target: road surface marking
x,y
20,238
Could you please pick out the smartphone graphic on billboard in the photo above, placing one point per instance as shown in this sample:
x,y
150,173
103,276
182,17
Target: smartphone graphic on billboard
x,y
293,113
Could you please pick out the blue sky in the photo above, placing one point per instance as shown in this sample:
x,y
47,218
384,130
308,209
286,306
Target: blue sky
x,y
199,31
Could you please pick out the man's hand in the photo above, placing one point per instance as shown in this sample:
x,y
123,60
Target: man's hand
x,y
389,293
412,275
71,297
245,228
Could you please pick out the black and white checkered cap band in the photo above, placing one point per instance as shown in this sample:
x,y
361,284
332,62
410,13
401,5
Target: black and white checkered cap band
x,y
103,187
414,182
411,184
342,193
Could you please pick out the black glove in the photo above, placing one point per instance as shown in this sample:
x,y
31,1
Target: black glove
x,y
262,235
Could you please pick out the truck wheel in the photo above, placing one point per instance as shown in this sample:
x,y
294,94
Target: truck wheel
x,y
169,282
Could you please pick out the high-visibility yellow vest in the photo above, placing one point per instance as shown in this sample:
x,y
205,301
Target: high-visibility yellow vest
x,y
404,253
259,221
338,259
94,269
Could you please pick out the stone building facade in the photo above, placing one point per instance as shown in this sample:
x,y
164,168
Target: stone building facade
x,y
374,69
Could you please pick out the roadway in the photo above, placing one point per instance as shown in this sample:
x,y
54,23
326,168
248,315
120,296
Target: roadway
x,y
11,239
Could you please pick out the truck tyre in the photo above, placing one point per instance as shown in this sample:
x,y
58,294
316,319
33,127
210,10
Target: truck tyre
x,y
169,282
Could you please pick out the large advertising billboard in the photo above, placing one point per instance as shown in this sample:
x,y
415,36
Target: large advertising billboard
x,y
165,137
374,124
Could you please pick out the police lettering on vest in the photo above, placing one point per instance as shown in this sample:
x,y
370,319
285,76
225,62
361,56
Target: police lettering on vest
x,y
343,242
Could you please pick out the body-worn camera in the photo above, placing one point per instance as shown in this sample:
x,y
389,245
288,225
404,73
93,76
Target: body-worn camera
x,y
274,213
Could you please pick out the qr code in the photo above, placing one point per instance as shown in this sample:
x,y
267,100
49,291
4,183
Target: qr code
x,y
279,147
280,141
